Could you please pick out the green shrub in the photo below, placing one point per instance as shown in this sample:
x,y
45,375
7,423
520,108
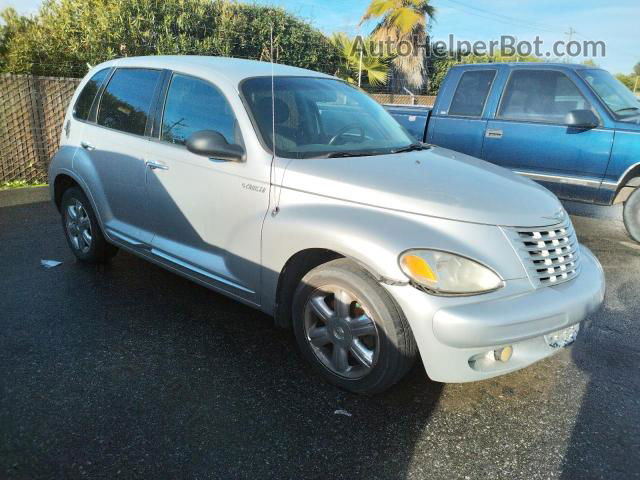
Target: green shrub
x,y
67,36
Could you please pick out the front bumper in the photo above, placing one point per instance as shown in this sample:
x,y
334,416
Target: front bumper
x,y
451,331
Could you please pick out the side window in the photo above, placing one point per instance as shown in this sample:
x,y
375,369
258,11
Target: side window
x,y
194,105
126,101
540,96
471,93
83,105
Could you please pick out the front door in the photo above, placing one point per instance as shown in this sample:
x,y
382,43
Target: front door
x,y
529,135
116,146
204,221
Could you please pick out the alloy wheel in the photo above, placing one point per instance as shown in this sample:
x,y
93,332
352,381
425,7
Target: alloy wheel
x,y
79,226
341,332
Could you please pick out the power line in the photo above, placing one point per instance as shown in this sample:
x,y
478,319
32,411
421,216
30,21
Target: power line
x,y
486,14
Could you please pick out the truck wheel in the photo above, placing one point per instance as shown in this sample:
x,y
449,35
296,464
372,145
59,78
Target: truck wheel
x,y
350,329
82,230
631,215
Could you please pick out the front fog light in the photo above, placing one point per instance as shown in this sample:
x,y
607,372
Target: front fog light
x,y
563,337
503,354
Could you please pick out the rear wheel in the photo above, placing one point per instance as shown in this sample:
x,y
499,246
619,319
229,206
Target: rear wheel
x,y
631,215
350,329
82,230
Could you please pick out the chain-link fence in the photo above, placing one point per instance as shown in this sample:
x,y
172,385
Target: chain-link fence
x,y
32,111
31,114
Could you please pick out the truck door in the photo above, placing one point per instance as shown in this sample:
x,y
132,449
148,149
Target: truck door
x,y
529,135
461,125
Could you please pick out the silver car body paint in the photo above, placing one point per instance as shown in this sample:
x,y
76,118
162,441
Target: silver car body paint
x,y
211,222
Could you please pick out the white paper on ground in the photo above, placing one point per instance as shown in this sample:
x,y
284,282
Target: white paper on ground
x,y
50,263
342,412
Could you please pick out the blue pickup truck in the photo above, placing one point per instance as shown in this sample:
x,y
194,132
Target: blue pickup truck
x,y
573,128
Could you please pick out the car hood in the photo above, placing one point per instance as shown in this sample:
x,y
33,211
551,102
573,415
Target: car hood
x,y
435,182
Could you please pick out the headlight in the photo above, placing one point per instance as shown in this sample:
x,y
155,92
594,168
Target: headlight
x,y
447,273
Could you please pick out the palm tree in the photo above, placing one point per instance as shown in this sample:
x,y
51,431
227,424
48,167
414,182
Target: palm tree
x,y
373,69
401,21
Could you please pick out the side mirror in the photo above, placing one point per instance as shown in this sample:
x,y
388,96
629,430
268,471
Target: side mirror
x,y
582,119
210,143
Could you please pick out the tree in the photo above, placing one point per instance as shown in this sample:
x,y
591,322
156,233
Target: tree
x,y
67,36
636,69
403,24
373,68
627,80
13,24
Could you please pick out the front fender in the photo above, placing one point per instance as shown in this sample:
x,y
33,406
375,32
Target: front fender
x,y
374,237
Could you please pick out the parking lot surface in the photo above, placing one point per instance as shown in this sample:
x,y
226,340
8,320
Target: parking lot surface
x,y
128,371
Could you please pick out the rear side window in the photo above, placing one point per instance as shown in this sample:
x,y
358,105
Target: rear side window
x,y
193,105
126,101
85,99
471,94
540,96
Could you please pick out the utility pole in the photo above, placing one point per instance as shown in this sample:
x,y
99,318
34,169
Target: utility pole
x,y
360,70
570,34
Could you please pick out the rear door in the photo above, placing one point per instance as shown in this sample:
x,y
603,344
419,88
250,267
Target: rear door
x,y
461,125
529,134
116,144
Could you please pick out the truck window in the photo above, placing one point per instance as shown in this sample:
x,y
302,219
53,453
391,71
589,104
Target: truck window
x,y
126,101
540,96
471,93
83,105
193,105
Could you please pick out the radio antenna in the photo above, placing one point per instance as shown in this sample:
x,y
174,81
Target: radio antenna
x,y
273,122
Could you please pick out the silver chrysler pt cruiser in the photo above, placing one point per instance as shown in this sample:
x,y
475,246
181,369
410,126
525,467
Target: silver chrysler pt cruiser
x,y
297,194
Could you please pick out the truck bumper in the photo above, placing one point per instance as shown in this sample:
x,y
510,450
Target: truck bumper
x,y
459,338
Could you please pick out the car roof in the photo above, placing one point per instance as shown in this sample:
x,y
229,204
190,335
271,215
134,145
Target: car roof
x,y
233,70
551,65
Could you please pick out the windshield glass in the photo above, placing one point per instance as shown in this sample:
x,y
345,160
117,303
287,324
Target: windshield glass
x,y
319,117
618,98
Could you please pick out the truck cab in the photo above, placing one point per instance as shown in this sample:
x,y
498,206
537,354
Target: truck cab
x,y
572,128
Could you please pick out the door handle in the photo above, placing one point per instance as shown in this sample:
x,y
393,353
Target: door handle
x,y
494,133
87,146
155,166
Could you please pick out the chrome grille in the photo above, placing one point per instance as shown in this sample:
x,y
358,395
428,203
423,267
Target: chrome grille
x,y
550,254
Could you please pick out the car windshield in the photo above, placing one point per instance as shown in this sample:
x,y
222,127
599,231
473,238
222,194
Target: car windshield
x,y
617,97
321,117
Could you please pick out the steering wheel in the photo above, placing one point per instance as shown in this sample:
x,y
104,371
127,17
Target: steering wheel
x,y
345,129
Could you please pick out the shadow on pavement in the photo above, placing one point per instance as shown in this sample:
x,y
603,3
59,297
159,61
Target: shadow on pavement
x,y
129,370
605,442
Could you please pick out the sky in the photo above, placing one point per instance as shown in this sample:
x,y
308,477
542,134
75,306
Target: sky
x,y
614,22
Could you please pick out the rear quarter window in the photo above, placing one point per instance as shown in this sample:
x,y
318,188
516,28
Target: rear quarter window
x,y
82,108
471,93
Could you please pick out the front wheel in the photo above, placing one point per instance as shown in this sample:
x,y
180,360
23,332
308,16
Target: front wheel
x,y
631,215
82,229
350,329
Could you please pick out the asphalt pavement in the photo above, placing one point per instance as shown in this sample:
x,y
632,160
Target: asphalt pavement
x,y
128,371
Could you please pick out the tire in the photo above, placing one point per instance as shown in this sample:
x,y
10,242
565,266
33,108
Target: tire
x,y
631,215
82,230
367,324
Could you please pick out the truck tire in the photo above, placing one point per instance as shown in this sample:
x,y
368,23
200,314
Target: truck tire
x,y
82,230
350,329
631,215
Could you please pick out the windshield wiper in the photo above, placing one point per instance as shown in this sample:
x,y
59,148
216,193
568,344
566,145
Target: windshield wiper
x,y
627,108
352,154
414,147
